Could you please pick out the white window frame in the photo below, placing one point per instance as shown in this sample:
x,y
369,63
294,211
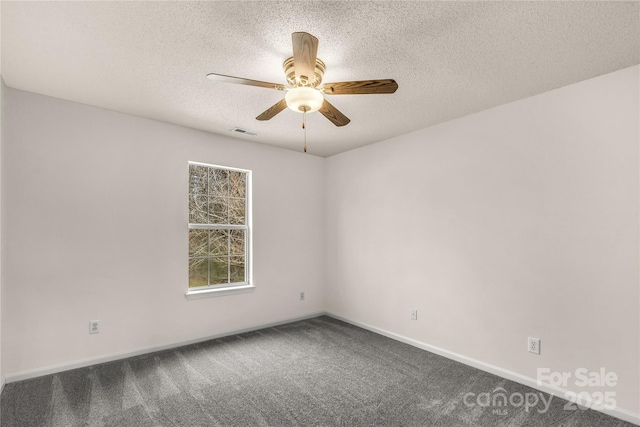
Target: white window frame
x,y
228,288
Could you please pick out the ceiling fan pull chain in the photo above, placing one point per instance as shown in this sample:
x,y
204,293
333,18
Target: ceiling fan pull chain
x,y
304,127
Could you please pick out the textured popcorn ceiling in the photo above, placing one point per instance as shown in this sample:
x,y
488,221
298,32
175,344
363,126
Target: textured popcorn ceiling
x,y
450,59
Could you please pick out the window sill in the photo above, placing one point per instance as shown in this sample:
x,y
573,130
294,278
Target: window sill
x,y
219,292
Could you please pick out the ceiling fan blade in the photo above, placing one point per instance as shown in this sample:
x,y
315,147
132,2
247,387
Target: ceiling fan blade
x,y
305,49
361,87
241,81
273,110
333,114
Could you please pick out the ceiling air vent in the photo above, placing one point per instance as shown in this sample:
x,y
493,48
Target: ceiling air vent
x,y
243,131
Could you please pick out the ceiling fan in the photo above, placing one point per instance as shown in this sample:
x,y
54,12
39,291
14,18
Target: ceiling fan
x,y
305,93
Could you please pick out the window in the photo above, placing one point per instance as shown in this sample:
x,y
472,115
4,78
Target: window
x,y
219,227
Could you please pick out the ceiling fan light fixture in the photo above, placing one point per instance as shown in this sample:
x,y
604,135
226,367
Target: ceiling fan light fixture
x,y
304,99
304,72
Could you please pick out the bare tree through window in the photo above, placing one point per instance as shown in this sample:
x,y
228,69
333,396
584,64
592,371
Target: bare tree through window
x,y
218,226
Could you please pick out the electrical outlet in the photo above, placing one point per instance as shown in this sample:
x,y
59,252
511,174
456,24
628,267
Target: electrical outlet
x,y
414,314
94,326
533,345
301,296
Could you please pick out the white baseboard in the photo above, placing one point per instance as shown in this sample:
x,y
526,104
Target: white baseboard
x,y
39,372
619,413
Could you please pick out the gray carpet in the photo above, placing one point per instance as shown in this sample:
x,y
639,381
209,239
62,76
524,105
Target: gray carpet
x,y
318,372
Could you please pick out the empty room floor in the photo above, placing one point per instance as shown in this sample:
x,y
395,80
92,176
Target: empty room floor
x,y
317,372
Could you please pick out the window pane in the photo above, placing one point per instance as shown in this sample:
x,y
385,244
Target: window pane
x,y
198,176
218,211
237,269
236,211
218,182
198,243
237,242
217,198
219,270
219,242
237,184
198,209
198,274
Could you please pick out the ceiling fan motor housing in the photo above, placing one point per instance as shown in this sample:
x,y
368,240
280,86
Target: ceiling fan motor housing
x,y
314,81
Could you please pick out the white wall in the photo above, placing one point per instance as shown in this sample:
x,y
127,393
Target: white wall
x,y
517,221
1,239
95,227
2,90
